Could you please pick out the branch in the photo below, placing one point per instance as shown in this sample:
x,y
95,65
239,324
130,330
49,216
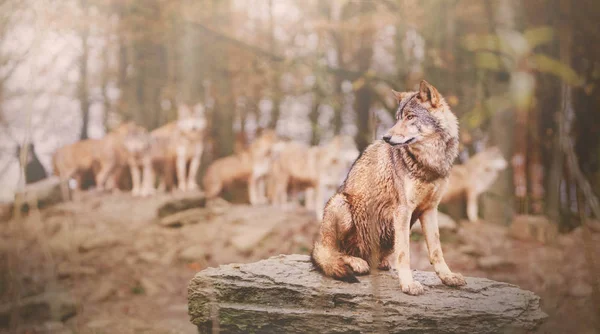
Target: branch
x,y
568,148
346,73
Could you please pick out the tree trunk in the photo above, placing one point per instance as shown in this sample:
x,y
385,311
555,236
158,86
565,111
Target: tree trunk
x,y
313,116
84,102
276,92
500,208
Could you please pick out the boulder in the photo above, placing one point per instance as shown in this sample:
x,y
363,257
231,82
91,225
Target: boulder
x,y
533,228
284,294
49,306
181,202
40,194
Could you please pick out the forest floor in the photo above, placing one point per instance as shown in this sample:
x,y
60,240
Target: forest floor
x,y
110,264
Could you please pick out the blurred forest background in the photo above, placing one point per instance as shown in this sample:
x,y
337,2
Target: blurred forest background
x,y
521,75
311,69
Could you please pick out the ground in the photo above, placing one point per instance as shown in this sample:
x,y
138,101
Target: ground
x,y
117,264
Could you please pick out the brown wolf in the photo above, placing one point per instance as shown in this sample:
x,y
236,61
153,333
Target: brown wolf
x,y
313,169
392,184
250,165
474,178
179,144
103,156
137,145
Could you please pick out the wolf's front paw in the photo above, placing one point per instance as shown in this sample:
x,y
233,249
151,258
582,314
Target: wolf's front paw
x,y
358,265
453,279
414,289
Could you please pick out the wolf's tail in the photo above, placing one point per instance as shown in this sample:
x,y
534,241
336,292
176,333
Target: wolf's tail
x,y
325,255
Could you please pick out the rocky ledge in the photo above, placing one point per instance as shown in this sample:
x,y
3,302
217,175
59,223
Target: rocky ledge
x,y
284,294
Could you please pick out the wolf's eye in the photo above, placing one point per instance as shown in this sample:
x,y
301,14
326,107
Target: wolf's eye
x,y
409,117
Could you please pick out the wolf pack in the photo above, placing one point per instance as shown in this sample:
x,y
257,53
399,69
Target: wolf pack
x,y
276,170
366,201
168,159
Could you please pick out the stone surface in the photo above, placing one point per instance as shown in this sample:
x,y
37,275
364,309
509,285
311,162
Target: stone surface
x,y
181,202
494,262
50,306
533,228
40,194
284,294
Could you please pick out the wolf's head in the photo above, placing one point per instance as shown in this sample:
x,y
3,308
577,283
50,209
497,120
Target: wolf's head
x,y
135,137
421,115
191,122
262,151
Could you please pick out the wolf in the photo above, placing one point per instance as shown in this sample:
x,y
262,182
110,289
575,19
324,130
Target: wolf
x,y
475,177
102,156
313,169
137,147
179,144
250,165
394,182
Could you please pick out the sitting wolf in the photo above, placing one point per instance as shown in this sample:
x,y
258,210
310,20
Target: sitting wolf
x,y
395,182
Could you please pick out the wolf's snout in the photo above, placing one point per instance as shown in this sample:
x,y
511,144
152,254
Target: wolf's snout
x,y
387,138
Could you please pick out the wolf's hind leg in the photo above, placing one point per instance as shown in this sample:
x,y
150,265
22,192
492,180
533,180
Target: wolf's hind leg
x,y
431,230
326,254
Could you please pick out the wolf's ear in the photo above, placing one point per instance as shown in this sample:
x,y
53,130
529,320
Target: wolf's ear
x,y
399,95
428,93
184,111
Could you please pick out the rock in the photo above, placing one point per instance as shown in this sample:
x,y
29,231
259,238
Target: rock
x,y
103,292
284,294
99,241
580,289
533,228
49,306
98,324
149,257
194,253
44,193
65,270
51,327
191,216
246,237
150,288
494,262
470,250
181,202
445,223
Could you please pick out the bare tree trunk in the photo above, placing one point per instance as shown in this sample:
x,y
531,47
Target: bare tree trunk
x,y
224,107
314,117
276,92
500,209
84,102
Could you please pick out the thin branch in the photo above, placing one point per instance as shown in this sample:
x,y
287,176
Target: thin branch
x,y
346,73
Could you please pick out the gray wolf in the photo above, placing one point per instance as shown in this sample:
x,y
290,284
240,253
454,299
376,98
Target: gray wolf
x,y
475,177
249,165
395,182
